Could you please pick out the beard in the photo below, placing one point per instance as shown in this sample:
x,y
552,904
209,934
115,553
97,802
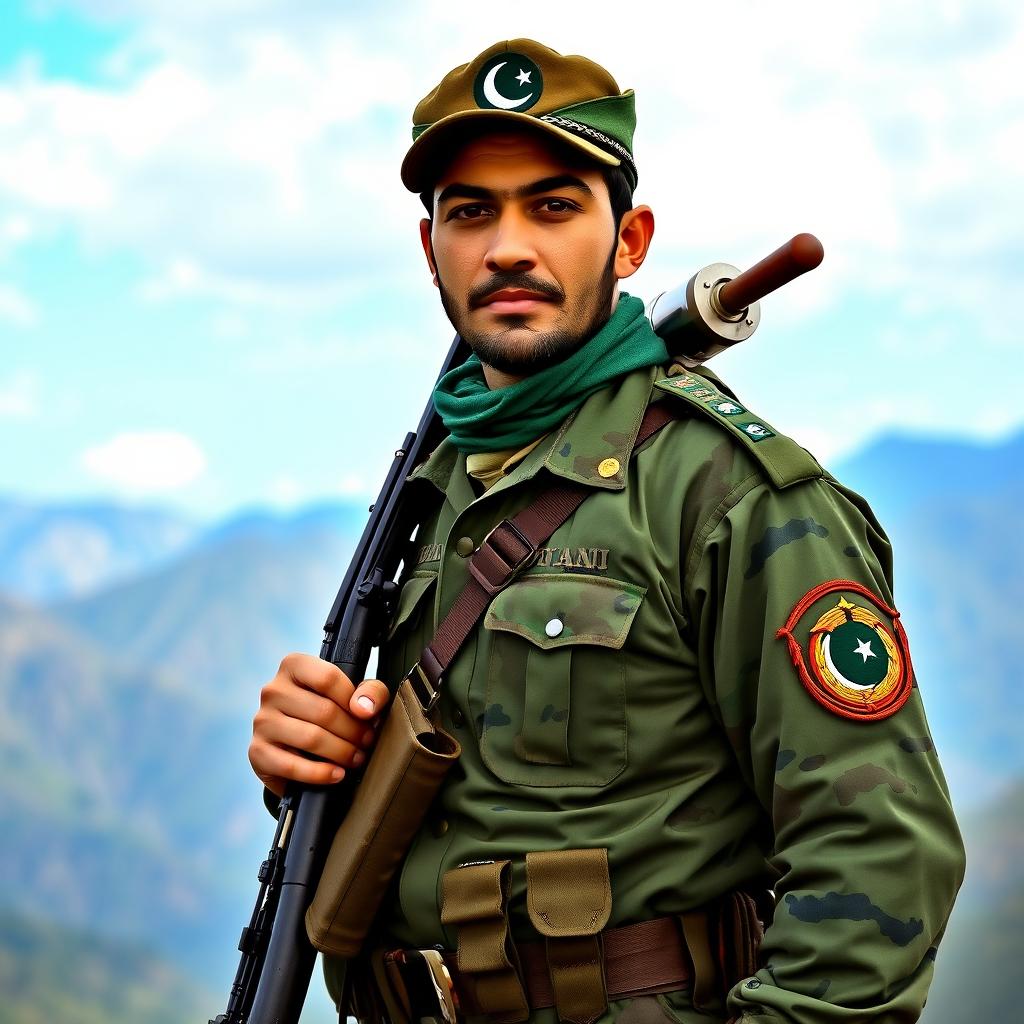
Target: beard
x,y
499,348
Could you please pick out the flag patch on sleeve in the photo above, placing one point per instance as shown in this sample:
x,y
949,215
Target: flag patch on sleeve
x,y
852,655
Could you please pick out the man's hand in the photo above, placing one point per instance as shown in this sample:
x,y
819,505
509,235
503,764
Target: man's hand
x,y
311,707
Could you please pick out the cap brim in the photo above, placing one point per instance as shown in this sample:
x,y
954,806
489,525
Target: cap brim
x,y
427,154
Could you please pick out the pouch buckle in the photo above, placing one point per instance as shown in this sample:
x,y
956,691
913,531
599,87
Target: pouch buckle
x,y
428,985
502,554
426,693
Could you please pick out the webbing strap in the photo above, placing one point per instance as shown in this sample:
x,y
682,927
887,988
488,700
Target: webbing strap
x,y
639,959
502,555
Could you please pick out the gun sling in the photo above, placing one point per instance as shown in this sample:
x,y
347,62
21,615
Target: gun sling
x,y
413,753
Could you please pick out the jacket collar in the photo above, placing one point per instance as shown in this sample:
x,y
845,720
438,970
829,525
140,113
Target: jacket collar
x,y
604,428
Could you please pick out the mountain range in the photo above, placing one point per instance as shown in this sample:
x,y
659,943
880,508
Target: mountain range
x,y
47,551
129,674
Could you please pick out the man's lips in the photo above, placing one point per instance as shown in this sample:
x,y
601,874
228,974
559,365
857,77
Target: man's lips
x,y
514,300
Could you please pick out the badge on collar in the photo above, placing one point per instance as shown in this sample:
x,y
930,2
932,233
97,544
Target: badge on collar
x,y
854,659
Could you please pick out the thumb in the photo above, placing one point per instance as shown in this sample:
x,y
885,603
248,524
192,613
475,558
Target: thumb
x,y
368,698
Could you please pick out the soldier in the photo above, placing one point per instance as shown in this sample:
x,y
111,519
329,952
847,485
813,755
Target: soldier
x,y
694,713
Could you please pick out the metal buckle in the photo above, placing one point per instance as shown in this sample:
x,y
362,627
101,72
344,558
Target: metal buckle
x,y
425,692
506,569
428,986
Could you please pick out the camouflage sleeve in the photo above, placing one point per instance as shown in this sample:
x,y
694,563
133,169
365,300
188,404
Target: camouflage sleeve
x,y
804,659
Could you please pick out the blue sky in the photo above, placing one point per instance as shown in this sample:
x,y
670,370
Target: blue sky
x,y
211,293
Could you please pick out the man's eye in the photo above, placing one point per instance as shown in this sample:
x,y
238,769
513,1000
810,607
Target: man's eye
x,y
557,206
471,212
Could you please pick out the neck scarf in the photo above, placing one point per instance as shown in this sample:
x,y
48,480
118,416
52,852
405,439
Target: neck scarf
x,y
482,420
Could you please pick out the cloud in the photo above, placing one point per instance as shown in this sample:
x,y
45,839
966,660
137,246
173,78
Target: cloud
x,y
266,172
18,394
287,492
258,148
16,307
15,230
146,462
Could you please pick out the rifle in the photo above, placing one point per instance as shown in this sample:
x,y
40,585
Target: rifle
x,y
716,308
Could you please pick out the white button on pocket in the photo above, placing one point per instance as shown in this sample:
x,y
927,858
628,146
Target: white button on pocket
x,y
553,628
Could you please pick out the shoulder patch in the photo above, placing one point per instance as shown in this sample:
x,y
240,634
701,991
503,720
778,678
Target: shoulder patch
x,y
854,659
783,459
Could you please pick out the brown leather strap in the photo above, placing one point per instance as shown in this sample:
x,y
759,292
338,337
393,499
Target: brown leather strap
x,y
639,959
502,555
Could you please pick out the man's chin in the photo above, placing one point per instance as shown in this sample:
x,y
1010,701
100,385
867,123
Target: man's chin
x,y
522,351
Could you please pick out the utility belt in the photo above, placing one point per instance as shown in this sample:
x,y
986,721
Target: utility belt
x,y
579,966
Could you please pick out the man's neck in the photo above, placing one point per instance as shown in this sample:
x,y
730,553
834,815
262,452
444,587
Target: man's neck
x,y
498,378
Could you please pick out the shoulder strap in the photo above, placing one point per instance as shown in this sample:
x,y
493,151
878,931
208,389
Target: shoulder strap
x,y
502,555
783,459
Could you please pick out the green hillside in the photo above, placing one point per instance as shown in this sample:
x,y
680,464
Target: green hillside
x,y
220,618
51,975
125,803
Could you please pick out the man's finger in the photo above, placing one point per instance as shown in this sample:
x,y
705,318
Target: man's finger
x,y
369,697
316,674
305,737
273,763
307,706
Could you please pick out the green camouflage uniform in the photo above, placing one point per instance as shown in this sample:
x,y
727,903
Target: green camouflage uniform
x,y
667,720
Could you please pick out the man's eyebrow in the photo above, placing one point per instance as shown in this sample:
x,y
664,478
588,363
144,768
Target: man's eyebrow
x,y
461,190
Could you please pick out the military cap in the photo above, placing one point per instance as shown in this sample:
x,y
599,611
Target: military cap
x,y
520,82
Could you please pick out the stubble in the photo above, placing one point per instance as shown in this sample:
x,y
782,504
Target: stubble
x,y
516,348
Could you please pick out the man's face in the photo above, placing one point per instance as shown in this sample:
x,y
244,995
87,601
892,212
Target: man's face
x,y
523,244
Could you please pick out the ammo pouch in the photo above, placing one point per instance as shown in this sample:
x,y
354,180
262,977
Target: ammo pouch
x,y
405,771
569,900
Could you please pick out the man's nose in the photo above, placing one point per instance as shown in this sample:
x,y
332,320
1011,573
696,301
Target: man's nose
x,y
511,247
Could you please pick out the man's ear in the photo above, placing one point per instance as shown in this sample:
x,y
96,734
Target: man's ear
x,y
636,230
428,248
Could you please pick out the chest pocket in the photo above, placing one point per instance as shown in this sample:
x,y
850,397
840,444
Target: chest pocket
x,y
555,704
411,627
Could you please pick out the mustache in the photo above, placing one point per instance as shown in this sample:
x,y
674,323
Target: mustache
x,y
514,280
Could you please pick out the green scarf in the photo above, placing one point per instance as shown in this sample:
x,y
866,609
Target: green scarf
x,y
482,420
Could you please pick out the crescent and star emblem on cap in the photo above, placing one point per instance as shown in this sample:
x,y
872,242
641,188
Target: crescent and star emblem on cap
x,y
495,98
854,659
500,82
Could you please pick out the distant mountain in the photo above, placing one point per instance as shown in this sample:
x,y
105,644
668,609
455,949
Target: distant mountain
x,y
125,804
948,508
976,970
220,618
53,975
902,472
49,551
126,800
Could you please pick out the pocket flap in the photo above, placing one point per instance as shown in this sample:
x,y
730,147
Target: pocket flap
x,y
555,609
568,892
413,592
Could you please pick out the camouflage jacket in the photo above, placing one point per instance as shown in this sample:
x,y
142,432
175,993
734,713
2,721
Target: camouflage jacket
x,y
703,673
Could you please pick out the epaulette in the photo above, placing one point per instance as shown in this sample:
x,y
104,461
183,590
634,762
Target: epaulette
x,y
783,459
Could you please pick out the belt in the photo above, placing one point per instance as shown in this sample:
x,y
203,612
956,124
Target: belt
x,y
639,959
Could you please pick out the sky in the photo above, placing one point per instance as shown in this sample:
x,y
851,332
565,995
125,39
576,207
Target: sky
x,y
212,294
